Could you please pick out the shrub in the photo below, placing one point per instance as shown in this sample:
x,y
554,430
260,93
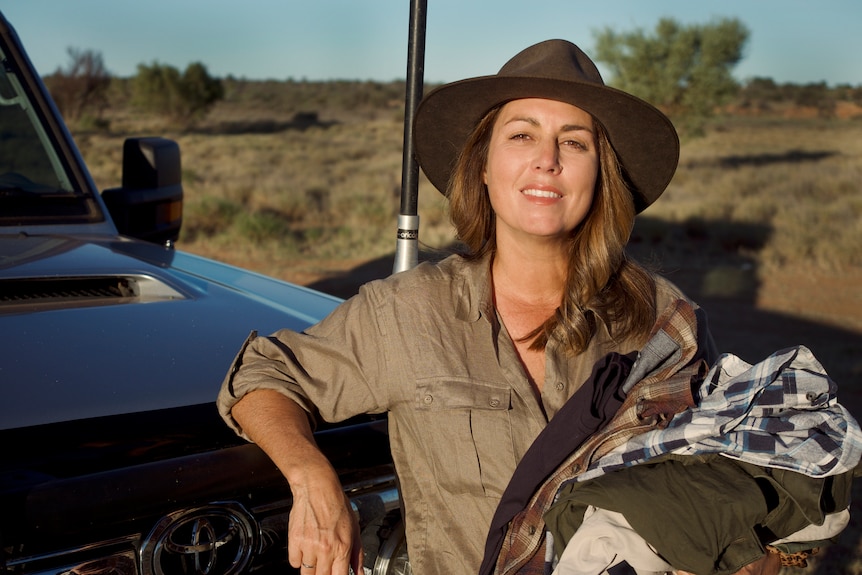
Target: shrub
x,y
185,97
81,88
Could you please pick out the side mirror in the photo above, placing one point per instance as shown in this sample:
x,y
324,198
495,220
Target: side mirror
x,y
149,205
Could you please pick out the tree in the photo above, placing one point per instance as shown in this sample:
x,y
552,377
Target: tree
x,y
816,95
155,88
686,70
188,96
199,90
82,86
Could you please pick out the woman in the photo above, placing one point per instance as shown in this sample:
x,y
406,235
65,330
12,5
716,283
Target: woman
x,y
545,168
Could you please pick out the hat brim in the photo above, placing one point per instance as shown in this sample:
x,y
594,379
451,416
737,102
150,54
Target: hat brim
x,y
642,136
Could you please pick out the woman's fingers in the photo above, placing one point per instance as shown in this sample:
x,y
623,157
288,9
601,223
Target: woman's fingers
x,y
323,536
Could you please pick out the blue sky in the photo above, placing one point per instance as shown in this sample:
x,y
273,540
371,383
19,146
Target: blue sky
x,y
791,40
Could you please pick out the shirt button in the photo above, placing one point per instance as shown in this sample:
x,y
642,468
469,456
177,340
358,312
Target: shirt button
x,y
494,402
428,399
559,386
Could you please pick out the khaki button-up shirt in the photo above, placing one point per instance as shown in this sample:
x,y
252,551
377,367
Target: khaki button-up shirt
x,y
426,346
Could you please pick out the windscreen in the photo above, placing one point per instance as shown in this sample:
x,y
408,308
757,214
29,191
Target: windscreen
x,y
35,188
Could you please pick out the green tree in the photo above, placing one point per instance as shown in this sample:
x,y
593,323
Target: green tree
x,y
161,89
199,90
155,88
684,69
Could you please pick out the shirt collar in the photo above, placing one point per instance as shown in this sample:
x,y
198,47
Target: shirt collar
x,y
475,298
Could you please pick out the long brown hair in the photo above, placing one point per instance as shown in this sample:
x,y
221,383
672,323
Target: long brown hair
x,y
602,282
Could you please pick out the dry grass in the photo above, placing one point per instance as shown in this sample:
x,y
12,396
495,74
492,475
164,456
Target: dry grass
x,y
778,192
296,193
783,192
753,200
288,193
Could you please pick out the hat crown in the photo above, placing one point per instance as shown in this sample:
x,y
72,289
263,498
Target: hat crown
x,y
553,59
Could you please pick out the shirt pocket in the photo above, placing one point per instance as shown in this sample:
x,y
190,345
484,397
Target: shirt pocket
x,y
467,433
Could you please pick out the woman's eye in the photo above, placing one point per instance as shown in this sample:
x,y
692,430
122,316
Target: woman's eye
x,y
577,144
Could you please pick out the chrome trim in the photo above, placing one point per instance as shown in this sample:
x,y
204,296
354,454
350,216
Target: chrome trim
x,y
117,564
220,538
370,506
128,541
392,558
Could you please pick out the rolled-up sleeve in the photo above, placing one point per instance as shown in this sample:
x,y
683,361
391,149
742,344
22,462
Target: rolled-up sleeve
x,y
334,369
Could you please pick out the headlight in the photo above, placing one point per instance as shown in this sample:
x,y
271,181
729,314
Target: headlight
x,y
124,564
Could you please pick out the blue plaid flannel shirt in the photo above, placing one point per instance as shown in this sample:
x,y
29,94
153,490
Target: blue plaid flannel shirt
x,y
782,412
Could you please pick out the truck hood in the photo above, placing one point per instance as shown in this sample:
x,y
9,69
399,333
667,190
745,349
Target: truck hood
x,y
166,341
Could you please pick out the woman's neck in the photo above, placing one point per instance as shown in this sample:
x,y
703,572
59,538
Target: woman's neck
x,y
527,288
529,275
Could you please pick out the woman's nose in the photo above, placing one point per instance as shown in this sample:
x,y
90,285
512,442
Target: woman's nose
x,y
548,157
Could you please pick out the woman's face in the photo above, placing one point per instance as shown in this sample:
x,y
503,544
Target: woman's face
x,y
541,169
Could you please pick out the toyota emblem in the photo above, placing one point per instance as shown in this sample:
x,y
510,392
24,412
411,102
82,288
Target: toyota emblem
x,y
217,539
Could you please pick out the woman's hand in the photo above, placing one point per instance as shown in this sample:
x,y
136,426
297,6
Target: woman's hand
x,y
323,533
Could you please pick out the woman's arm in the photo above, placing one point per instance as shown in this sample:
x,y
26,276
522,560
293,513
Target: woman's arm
x,y
323,534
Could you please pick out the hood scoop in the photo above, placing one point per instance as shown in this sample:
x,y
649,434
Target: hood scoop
x,y
60,292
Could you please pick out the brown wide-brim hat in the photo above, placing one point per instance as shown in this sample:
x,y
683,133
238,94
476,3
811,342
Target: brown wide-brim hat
x,y
643,137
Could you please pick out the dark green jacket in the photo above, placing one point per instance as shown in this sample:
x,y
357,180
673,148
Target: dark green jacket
x,y
703,514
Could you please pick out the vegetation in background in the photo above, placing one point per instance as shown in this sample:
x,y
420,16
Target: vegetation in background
x,y
763,94
285,175
81,89
685,70
85,89
773,188
768,191
186,97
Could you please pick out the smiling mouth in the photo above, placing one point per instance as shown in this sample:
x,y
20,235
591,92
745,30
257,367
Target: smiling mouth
x,y
541,193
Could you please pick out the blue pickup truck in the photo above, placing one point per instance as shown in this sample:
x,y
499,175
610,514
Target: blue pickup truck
x,y
113,345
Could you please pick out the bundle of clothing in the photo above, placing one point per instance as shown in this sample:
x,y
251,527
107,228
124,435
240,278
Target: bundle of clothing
x,y
682,467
